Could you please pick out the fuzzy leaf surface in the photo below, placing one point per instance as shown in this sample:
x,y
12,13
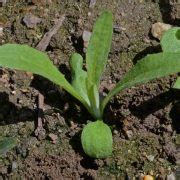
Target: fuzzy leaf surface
x,y
79,76
23,57
151,67
170,41
97,140
99,47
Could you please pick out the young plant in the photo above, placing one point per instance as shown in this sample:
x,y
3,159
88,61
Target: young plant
x,y
96,136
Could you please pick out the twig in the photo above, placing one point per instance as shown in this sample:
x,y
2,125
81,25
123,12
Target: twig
x,y
42,45
40,132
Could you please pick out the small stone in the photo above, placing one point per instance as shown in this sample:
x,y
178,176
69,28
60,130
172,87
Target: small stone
x,y
92,3
161,160
147,40
89,13
14,166
171,176
86,37
115,132
150,158
53,138
129,134
1,31
169,128
13,92
148,177
31,20
158,29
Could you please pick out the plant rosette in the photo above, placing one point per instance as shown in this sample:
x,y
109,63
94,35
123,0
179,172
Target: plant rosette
x,y
96,136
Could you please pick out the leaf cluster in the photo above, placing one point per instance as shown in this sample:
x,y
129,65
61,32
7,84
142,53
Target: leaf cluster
x,y
85,84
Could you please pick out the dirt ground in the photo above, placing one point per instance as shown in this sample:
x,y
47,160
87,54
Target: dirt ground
x,y
144,119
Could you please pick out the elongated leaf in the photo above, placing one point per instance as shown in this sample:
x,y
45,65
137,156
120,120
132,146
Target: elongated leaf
x,y
99,47
170,41
177,84
79,76
23,57
150,67
93,95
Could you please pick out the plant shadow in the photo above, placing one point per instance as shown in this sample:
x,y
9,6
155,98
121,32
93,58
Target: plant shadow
x,y
60,100
175,112
146,51
87,162
152,105
166,9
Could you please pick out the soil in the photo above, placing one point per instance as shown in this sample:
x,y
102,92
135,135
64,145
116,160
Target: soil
x,y
144,119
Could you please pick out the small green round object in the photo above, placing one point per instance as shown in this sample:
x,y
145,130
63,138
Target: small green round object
x,y
96,139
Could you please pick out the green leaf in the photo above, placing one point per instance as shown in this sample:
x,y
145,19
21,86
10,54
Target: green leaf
x,y
151,67
177,83
99,47
6,144
79,76
93,95
23,57
97,140
170,41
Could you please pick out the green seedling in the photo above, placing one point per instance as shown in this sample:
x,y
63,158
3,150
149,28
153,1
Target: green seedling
x,y
96,136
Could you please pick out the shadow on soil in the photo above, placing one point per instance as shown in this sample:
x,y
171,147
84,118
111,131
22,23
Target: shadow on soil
x,y
175,113
152,105
86,162
11,114
166,11
159,102
146,51
61,101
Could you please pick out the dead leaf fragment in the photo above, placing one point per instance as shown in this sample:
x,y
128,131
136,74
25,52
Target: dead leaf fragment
x,y
158,29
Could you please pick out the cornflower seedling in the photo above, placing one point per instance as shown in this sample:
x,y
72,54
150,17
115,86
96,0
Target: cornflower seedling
x,y
96,136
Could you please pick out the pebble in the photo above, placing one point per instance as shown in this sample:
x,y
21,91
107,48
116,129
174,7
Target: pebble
x,y
14,166
171,176
31,20
1,31
86,37
158,29
148,177
92,3
115,132
53,137
150,158
129,134
169,128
